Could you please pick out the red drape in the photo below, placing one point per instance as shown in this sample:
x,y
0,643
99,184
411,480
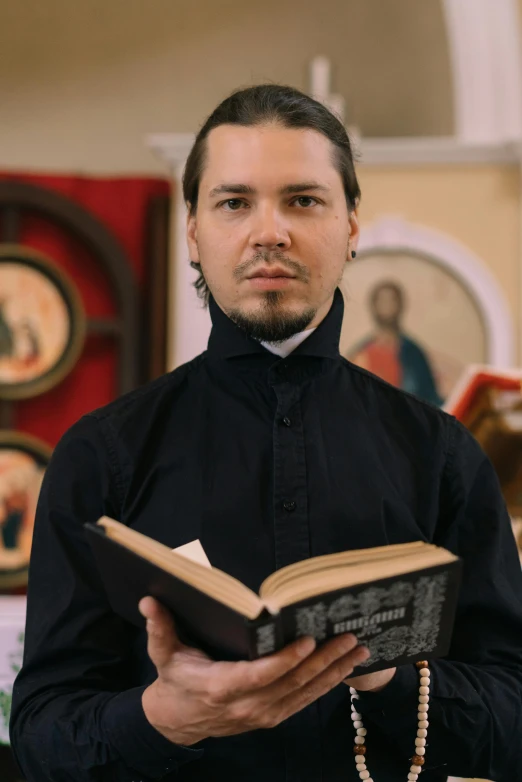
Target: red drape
x,y
120,204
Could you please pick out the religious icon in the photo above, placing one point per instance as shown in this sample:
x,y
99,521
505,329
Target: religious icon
x,y
488,401
23,460
42,323
410,322
391,354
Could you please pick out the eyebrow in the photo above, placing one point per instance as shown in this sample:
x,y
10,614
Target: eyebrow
x,y
239,189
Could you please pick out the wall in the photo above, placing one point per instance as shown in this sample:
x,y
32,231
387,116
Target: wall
x,y
81,83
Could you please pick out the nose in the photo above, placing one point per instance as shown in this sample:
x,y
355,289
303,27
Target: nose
x,y
269,231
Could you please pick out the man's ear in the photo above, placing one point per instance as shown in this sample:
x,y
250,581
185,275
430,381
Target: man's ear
x,y
354,230
192,236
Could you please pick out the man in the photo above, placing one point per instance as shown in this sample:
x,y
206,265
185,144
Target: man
x,y
390,353
269,448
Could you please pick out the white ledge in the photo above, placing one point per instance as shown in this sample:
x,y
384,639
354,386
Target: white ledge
x,y
434,150
173,149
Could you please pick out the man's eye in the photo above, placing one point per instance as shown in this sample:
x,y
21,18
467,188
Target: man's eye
x,y
306,201
232,204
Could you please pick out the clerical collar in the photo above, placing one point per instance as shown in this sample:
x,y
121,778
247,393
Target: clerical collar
x,y
287,346
227,340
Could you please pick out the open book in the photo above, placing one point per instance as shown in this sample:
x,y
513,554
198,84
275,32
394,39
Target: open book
x,y
398,600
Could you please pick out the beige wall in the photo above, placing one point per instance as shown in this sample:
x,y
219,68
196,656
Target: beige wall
x,y
82,82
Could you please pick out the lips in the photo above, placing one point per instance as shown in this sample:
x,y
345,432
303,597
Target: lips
x,y
271,273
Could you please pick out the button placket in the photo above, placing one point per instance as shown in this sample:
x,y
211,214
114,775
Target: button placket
x,y
291,532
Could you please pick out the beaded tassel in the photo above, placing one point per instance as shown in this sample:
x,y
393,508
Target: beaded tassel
x,y
417,761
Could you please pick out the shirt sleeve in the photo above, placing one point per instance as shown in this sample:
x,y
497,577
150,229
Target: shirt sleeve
x,y
76,712
475,716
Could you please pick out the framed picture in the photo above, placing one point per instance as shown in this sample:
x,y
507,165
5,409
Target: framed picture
x,y
411,321
42,323
23,460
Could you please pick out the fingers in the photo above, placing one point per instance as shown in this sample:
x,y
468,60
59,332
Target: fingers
x,y
273,677
241,678
296,688
339,670
311,668
162,639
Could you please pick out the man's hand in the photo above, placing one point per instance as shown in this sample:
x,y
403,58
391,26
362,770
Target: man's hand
x,y
195,697
371,682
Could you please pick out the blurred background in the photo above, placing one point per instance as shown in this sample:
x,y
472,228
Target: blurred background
x,y
99,104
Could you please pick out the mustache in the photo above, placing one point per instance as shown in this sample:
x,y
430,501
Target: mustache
x,y
297,269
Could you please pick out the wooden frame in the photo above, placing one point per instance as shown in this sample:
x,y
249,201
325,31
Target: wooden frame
x,y
19,197
23,480
12,254
142,316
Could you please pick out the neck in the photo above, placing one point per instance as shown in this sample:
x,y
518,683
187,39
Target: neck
x,y
321,313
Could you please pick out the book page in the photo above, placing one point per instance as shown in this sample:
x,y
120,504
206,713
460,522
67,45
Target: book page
x,y
194,551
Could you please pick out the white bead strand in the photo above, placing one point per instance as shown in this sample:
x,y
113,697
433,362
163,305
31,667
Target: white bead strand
x,y
422,729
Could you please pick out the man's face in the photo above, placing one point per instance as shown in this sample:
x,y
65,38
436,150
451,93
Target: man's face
x,y
272,230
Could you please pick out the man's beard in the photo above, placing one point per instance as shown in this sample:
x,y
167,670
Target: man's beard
x,y
272,323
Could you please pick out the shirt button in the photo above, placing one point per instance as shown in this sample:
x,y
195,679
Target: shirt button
x,y
287,421
289,505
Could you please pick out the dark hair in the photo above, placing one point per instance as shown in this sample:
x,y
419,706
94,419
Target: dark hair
x,y
259,105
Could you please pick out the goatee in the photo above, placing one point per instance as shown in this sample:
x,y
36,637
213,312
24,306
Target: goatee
x,y
272,324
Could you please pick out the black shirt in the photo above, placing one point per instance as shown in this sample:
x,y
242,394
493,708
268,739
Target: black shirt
x,y
267,461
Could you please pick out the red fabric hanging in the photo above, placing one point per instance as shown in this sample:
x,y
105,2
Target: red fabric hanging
x,y
120,203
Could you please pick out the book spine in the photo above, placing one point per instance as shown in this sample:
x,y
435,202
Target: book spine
x,y
265,635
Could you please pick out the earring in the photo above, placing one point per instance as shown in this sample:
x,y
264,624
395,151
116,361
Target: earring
x,y
353,253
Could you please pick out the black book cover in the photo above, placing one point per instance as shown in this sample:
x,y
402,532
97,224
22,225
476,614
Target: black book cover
x,y
201,621
401,619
